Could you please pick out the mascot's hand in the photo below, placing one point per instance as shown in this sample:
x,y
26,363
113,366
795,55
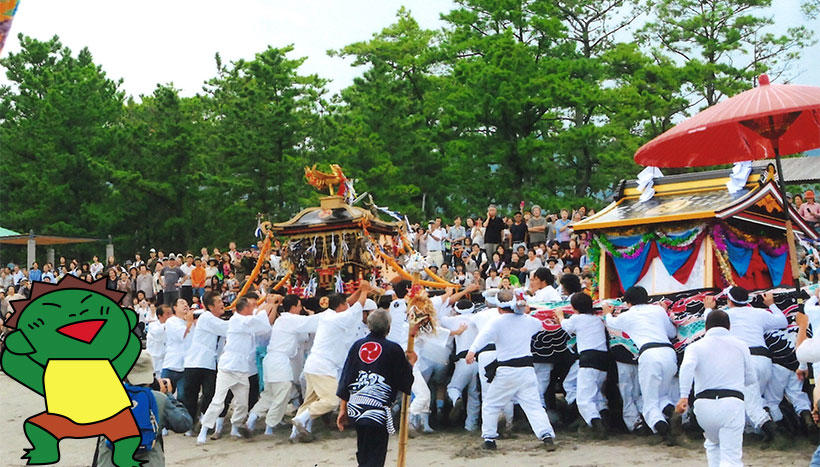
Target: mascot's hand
x,y
132,317
17,343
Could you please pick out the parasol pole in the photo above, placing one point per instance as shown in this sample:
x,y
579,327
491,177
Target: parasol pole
x,y
404,421
781,185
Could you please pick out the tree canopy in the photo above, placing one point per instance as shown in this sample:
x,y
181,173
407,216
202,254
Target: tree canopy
x,y
537,101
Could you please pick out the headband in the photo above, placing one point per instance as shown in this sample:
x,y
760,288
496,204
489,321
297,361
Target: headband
x,y
465,311
728,293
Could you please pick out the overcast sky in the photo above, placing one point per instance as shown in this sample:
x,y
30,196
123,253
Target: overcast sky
x,y
150,41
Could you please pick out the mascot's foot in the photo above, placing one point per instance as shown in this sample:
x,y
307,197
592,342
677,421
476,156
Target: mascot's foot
x,y
124,450
44,446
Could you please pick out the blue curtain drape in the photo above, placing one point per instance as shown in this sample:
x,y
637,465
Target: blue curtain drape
x,y
673,259
776,265
739,257
629,269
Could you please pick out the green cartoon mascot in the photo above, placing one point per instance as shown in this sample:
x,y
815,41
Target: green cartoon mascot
x,y
73,344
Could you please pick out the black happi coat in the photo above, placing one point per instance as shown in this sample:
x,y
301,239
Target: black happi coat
x,y
376,369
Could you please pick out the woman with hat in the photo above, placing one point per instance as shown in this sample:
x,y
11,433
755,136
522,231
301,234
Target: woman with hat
x,y
211,269
810,210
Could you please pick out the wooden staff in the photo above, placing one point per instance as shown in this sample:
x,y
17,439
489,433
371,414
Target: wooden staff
x,y
405,398
405,412
249,280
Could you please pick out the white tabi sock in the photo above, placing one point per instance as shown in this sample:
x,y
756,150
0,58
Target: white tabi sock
x,y
219,424
425,422
309,424
203,435
454,395
268,430
303,419
251,420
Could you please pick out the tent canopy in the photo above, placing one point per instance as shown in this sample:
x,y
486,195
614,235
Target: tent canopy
x,y
10,237
796,170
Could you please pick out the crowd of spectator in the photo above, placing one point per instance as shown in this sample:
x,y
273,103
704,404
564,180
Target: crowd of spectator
x,y
490,251
497,251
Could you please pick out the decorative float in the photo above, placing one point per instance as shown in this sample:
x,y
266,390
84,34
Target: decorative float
x,y
337,244
692,239
693,234
334,243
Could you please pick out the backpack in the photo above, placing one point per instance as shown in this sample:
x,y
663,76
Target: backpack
x,y
146,413
145,409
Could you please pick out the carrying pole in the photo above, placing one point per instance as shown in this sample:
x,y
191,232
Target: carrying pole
x,y
404,425
405,415
795,268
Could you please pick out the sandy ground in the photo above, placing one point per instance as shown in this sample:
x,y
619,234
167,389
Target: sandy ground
x,y
338,449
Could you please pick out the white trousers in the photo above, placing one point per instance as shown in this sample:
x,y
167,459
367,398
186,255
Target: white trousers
x,y
674,391
630,389
484,359
421,394
590,398
784,383
722,421
435,258
543,372
514,385
157,364
571,383
656,370
273,401
226,381
466,376
753,393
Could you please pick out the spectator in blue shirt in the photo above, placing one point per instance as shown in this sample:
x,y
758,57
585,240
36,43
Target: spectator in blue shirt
x,y
562,229
48,274
35,274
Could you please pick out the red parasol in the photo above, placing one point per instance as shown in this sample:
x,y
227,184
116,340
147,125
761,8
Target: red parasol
x,y
756,124
763,122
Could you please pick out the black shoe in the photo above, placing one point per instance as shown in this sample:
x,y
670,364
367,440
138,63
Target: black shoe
x,y
598,428
642,430
769,430
606,419
661,428
457,412
549,444
668,411
489,444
